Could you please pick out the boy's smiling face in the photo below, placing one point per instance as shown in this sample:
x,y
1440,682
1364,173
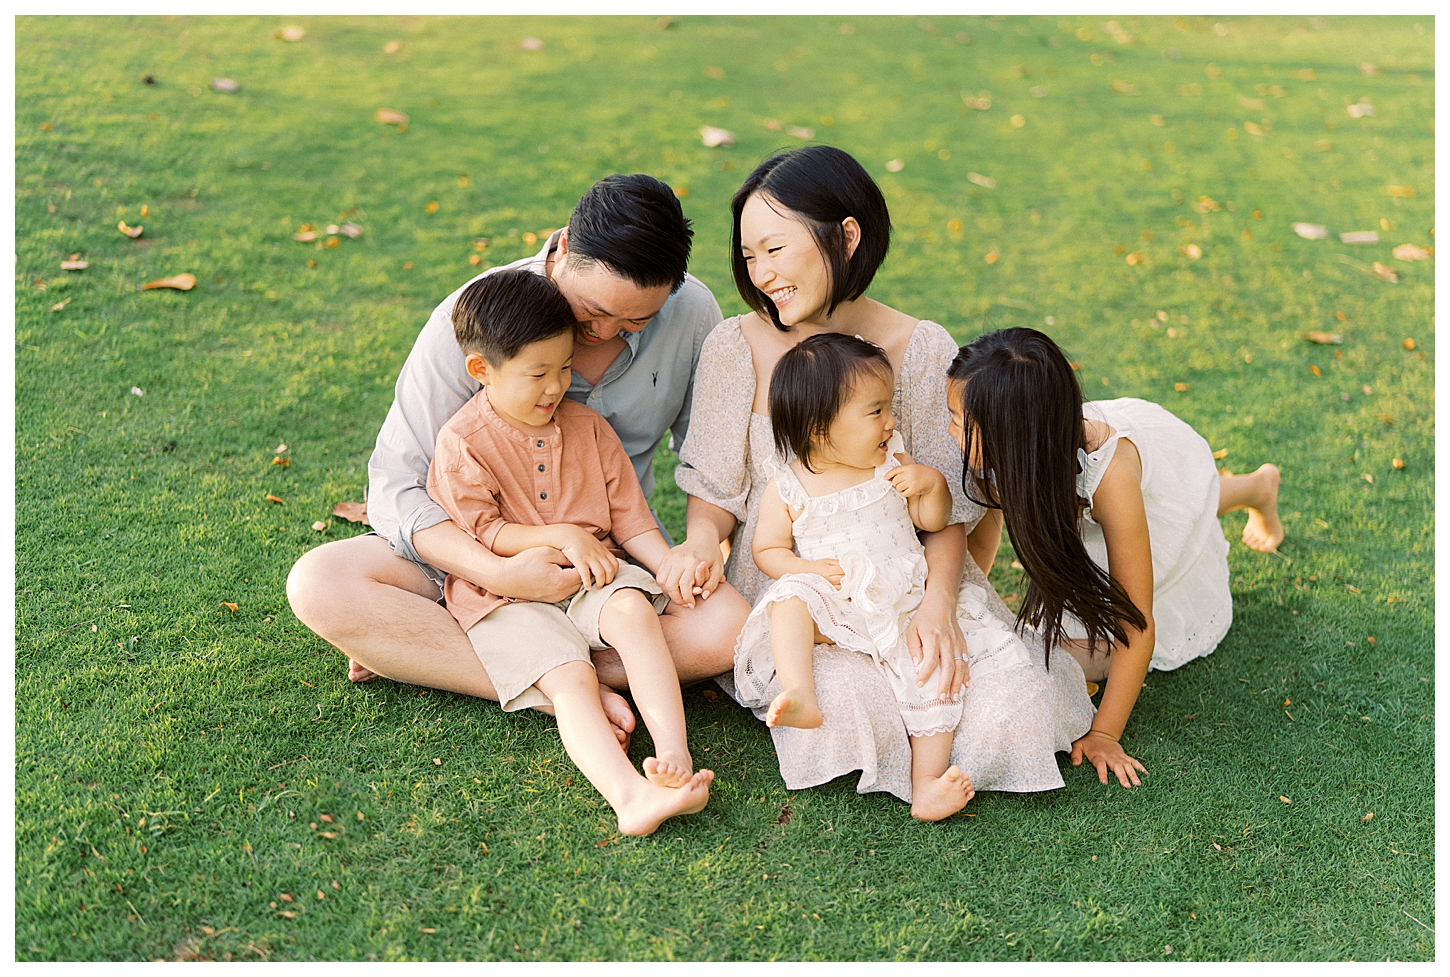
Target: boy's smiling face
x,y
526,390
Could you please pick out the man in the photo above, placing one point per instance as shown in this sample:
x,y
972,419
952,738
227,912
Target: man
x,y
642,320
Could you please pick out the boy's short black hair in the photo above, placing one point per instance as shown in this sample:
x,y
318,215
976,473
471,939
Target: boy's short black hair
x,y
822,185
499,314
634,226
811,383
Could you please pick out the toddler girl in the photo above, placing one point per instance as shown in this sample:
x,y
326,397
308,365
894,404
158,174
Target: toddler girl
x,y
1112,507
837,532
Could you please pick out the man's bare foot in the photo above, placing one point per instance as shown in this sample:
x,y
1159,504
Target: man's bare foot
x,y
619,714
668,771
942,797
794,708
653,804
358,672
1264,532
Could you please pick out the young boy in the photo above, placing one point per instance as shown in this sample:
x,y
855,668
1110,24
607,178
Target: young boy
x,y
519,466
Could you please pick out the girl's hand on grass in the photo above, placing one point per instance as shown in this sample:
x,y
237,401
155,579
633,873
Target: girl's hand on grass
x,y
935,641
691,569
1106,753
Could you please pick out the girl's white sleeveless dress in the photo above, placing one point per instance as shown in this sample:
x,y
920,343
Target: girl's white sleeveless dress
x,y
868,529
1192,606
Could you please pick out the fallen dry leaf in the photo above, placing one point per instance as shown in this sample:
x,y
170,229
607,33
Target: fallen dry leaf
x,y
184,282
285,896
1324,337
1193,251
895,166
531,44
75,265
1405,252
982,181
289,914
59,305
350,229
306,237
1181,387
329,835
137,392
713,72
1385,418
1251,103
352,512
272,498
530,238
1365,68
426,929
391,117
360,818
1360,237
474,259
991,257
293,34
681,192
1285,799
224,85
1018,121
1092,688
392,47
1386,272
1359,111
801,132
1397,463
229,605
319,526
982,101
1398,191
774,125
1315,370
713,136
1368,817
128,230
1136,258
1253,129
326,817
954,226
1408,343
1220,454
1311,232
1367,477
284,462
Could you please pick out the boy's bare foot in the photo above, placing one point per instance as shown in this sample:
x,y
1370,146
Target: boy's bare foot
x,y
794,708
1264,532
358,672
667,772
942,797
654,804
620,715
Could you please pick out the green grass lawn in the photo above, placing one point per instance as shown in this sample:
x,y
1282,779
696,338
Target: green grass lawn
x,y
177,761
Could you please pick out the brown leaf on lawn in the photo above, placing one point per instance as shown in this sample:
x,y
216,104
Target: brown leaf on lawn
x,y
77,265
1181,387
1367,477
1397,463
306,237
1398,191
1193,251
391,117
1092,688
1310,232
287,913
1359,111
1386,272
321,895
712,136
285,896
531,44
59,305
982,181
1136,258
272,498
329,835
352,512
284,462
713,72
360,815
710,695
128,230
1315,370
432,207
1408,343
326,817
229,605
785,815
1368,817
801,132
1285,799
1323,337
474,259
392,47
774,125
184,282
1220,454
982,101
1405,252
293,34
1360,237
319,526
224,85
991,257
1341,316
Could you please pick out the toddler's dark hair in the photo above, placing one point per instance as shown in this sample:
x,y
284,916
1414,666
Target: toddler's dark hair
x,y
811,383
499,314
1022,401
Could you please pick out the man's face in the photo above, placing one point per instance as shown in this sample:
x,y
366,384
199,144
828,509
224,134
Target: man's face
x,y
605,304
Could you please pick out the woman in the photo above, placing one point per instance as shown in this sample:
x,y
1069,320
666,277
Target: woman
x,y
810,230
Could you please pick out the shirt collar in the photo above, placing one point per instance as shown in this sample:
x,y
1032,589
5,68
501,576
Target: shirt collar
x,y
486,411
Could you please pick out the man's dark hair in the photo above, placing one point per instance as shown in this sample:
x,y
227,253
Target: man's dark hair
x,y
499,314
634,226
821,185
812,382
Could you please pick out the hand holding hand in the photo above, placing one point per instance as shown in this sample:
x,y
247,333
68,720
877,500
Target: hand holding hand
x,y
540,573
596,565
1106,753
691,569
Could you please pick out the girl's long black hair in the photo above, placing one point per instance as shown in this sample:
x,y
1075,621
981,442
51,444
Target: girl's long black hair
x,y
1022,404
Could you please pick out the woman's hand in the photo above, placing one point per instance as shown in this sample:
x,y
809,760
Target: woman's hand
x,y
937,644
694,568
1106,753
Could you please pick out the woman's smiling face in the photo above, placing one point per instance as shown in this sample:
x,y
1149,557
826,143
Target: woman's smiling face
x,y
784,260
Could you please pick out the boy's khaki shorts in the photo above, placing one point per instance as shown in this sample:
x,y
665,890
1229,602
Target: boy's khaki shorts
x,y
523,640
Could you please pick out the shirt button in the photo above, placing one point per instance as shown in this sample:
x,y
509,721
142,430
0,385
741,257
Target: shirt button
x,y
538,444
541,468
543,495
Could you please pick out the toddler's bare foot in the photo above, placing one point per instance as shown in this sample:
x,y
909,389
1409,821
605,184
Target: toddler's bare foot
x,y
794,708
653,804
942,797
1264,532
617,711
358,672
667,771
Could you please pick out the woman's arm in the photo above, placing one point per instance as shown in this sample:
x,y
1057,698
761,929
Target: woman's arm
x,y
1118,508
985,539
696,567
934,637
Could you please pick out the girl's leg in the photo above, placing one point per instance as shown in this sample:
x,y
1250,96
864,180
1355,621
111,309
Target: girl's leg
x,y
629,624
937,790
1259,493
792,633
639,805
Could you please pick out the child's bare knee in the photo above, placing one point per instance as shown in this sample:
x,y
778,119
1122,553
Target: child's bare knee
x,y
626,606
790,608
570,675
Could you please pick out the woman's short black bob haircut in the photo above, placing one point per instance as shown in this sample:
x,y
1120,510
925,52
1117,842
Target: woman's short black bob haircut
x,y
822,186
634,226
812,382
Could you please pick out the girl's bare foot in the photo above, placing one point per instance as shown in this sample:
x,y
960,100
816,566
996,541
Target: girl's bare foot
x,y
794,708
653,804
667,771
1264,532
358,672
943,796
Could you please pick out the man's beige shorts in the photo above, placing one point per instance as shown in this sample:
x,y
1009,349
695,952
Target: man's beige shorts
x,y
524,640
